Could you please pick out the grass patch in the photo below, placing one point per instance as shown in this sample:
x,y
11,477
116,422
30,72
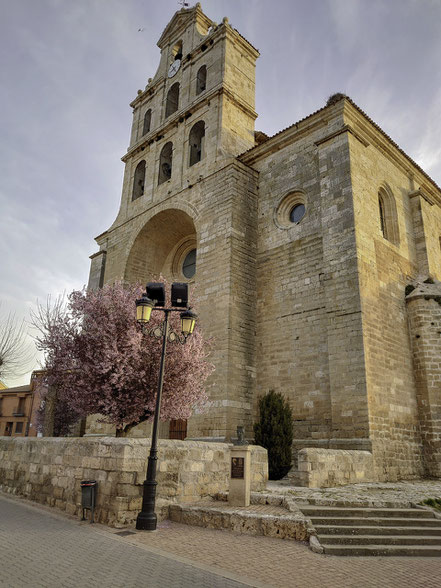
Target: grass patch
x,y
433,502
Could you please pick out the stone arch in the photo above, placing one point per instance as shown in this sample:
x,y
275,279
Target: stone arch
x,y
139,180
388,216
196,142
176,52
201,79
165,163
147,122
161,246
172,101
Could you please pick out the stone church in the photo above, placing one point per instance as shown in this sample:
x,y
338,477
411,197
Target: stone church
x,y
314,254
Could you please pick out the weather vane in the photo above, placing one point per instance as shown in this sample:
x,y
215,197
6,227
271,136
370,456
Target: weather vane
x,y
183,3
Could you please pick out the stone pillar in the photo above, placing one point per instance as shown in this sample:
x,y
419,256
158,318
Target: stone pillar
x,y
97,270
240,476
347,369
424,313
416,200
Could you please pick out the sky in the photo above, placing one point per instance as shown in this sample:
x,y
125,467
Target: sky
x,y
69,70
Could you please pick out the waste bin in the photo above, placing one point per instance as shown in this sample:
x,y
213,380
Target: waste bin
x,y
88,497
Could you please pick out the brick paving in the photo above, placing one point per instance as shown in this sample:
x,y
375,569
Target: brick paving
x,y
37,546
286,564
41,549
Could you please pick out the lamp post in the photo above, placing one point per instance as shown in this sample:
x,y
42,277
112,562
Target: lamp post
x,y
154,299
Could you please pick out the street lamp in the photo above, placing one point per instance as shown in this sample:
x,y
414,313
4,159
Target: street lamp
x,y
154,299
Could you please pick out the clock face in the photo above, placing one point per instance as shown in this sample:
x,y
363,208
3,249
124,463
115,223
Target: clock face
x,y
173,69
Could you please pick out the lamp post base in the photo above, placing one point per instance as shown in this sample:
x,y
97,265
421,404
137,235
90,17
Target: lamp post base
x,y
146,521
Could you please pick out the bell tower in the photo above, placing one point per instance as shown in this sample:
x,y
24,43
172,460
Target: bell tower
x,y
206,72
188,207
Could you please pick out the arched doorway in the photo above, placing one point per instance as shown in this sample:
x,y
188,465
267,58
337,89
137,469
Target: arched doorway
x,y
167,245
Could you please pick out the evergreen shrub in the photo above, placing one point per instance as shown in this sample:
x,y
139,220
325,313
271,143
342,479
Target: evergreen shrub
x,y
274,431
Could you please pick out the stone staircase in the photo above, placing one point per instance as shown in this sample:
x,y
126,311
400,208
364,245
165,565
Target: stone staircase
x,y
375,531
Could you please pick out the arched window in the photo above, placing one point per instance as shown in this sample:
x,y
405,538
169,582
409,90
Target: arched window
x,y
147,122
196,141
165,163
172,103
201,79
382,215
139,180
387,210
189,264
177,51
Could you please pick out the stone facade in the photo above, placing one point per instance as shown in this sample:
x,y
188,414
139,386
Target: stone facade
x,y
327,468
312,306
50,470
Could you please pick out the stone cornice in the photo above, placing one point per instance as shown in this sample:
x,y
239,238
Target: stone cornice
x,y
376,137
233,163
184,114
149,92
361,126
100,239
101,252
282,139
240,40
427,289
344,129
424,195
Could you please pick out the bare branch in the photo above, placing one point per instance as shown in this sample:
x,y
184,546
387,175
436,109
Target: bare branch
x,y
47,315
15,351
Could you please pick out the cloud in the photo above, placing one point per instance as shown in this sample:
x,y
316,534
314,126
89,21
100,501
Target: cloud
x,y
71,69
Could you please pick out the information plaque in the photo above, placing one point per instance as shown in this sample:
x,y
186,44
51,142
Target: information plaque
x,y
238,467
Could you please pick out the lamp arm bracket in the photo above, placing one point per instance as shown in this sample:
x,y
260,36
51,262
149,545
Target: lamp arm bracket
x,y
159,331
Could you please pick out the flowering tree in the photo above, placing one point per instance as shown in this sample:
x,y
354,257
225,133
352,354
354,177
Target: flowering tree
x,y
99,360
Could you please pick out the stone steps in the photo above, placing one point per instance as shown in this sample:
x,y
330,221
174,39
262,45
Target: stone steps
x,y
378,530
383,521
257,519
375,531
354,512
385,540
394,550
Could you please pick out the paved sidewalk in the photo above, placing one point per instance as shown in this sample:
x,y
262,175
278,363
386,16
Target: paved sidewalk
x,y
290,564
41,549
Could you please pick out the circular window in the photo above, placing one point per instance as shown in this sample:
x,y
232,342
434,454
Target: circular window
x,y
189,264
290,210
297,213
183,263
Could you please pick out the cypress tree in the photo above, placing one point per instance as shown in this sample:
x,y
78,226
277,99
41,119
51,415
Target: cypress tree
x,y
274,431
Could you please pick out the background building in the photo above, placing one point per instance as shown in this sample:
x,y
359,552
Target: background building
x,y
18,409
300,247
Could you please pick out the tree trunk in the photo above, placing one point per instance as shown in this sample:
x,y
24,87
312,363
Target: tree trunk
x,y
49,412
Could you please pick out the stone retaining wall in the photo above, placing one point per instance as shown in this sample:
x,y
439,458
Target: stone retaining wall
x,y
49,470
325,468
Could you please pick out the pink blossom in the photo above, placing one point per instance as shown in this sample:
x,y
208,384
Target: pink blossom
x,y
100,361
